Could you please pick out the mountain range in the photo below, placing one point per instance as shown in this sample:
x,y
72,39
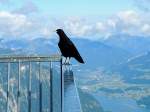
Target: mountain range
x,y
120,62
95,53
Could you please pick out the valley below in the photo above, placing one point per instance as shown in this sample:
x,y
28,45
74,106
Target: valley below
x,y
114,78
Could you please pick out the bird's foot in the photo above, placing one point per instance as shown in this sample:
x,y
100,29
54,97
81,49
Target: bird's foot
x,y
66,64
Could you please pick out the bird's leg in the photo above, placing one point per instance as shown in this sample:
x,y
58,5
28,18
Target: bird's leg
x,y
65,60
70,66
69,61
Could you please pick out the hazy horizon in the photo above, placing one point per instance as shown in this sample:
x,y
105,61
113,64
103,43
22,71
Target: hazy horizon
x,y
82,19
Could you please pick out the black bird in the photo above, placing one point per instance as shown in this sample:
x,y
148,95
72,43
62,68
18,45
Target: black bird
x,y
67,47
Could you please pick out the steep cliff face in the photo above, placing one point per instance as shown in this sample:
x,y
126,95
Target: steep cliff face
x,y
89,103
71,99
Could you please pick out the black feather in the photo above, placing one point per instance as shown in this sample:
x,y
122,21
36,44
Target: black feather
x,y
67,47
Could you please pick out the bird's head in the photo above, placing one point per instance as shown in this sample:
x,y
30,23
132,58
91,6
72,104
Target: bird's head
x,y
59,31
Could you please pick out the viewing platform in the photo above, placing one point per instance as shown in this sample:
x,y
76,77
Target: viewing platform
x,y
37,84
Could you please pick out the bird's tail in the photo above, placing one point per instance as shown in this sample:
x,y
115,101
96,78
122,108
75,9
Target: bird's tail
x,y
79,58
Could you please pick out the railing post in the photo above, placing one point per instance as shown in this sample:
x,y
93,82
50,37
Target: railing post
x,y
29,89
51,88
62,85
18,93
18,60
40,89
8,75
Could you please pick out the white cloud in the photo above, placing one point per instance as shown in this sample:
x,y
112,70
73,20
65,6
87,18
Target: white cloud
x,y
129,17
77,26
124,22
146,29
13,25
106,28
18,25
129,22
28,7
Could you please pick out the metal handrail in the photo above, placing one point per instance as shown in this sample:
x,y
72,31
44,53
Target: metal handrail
x,y
20,59
54,58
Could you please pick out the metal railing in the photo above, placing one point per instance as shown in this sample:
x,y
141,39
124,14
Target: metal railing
x,y
36,61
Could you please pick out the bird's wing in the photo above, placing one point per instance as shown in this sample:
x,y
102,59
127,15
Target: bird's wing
x,y
75,53
69,42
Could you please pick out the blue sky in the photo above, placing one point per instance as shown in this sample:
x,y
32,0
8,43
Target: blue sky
x,y
72,7
83,7
80,18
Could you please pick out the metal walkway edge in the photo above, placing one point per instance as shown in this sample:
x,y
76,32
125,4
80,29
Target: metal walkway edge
x,y
57,92
11,68
71,98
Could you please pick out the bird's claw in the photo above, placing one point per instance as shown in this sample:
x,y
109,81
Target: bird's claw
x,y
66,64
